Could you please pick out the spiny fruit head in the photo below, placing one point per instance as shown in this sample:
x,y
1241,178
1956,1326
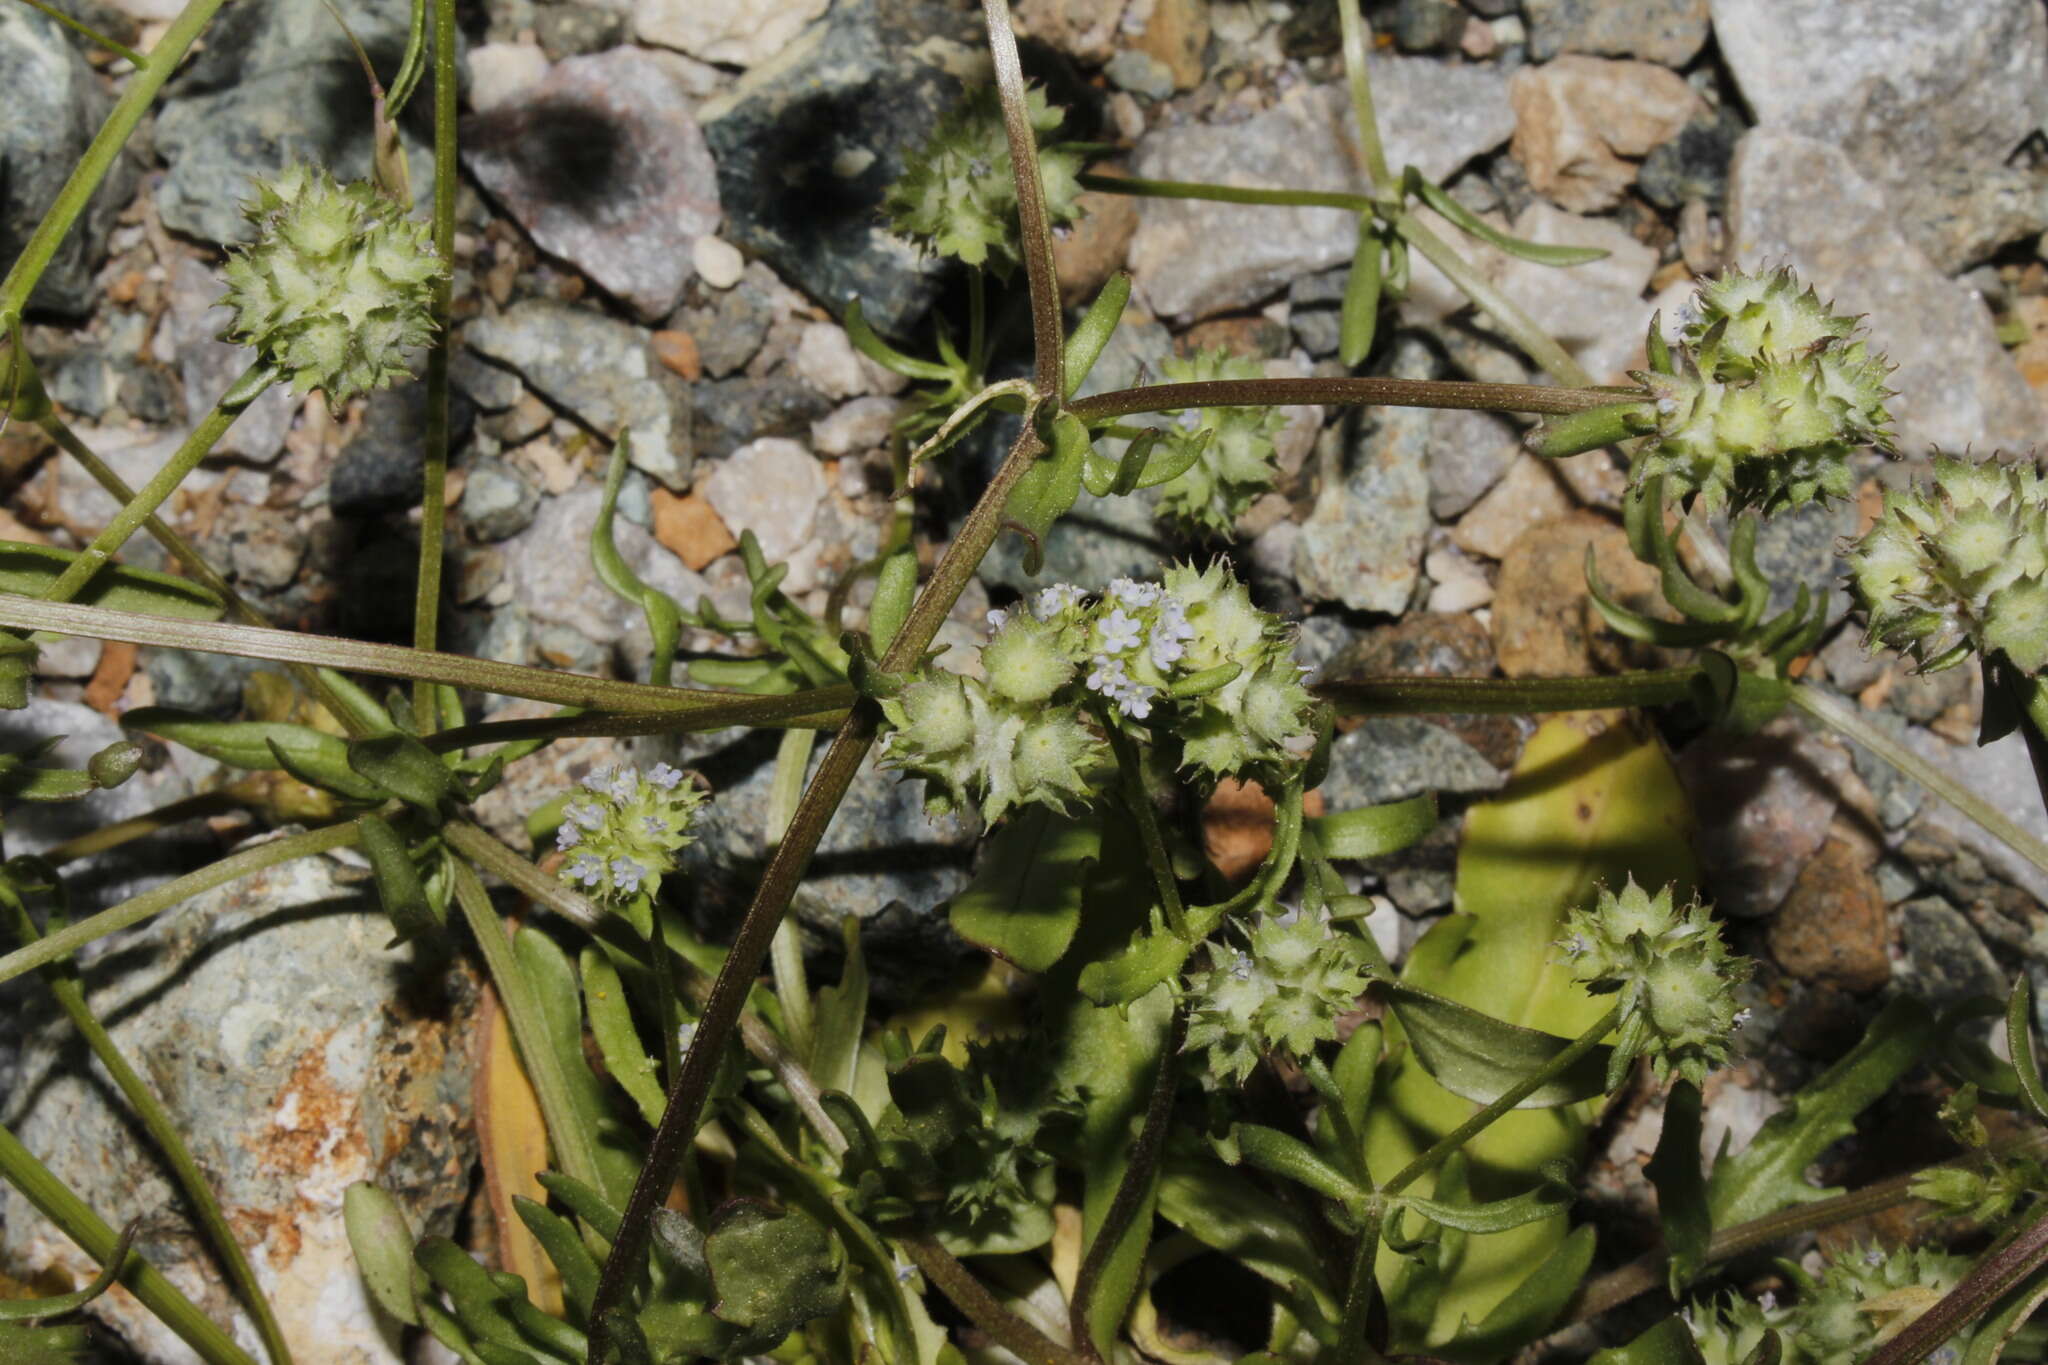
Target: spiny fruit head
x,y
337,287
1232,447
957,197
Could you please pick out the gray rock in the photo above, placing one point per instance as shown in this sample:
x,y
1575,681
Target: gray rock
x,y
1693,165
498,501
383,469
288,35
729,32
297,1055
1192,258
55,105
1422,877
207,365
808,143
601,370
1904,88
1797,549
1428,25
1959,215
1946,963
1467,454
732,412
603,164
1141,73
210,684
552,577
146,393
491,387
883,861
261,546
2001,775
1391,758
81,383
1763,804
1319,331
1798,202
730,330
1668,31
1362,544
568,31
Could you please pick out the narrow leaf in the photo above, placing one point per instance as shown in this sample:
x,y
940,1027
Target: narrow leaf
x,y
1092,333
1360,319
382,1243
1373,831
30,570
1681,1185
1470,222
1478,1057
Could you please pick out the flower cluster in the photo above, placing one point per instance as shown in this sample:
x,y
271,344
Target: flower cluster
x,y
957,197
1232,448
338,285
1861,1299
1282,991
1191,657
1766,395
1959,566
1676,977
623,830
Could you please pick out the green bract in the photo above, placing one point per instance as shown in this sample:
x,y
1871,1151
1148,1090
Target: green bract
x,y
1960,566
623,830
1861,1299
1283,991
1233,456
957,197
338,285
1676,977
1764,398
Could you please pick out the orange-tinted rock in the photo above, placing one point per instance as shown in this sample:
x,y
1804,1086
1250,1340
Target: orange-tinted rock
x,y
1833,927
691,528
678,351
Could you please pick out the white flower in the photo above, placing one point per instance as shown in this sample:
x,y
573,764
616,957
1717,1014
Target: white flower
x,y
1132,593
589,814
996,617
1108,677
627,874
665,777
599,780
1118,632
1051,601
568,836
586,868
624,783
1136,700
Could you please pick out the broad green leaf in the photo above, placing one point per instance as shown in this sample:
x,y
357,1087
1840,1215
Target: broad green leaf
x,y
895,591
1289,1158
399,888
316,757
407,769
1530,1310
618,1038
382,1243
1681,1185
1670,1342
1048,489
1374,831
1231,1213
1025,900
30,570
1478,1057
772,1271
553,978
1770,1173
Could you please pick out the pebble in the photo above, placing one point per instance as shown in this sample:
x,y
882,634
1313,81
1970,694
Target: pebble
x,y
1428,25
1468,454
1763,804
729,32
731,412
1140,73
718,262
1581,122
1946,962
730,330
1529,495
690,528
855,427
553,580
678,351
1669,32
826,360
1192,259
1694,164
1799,202
603,163
1362,543
1085,30
1832,928
1960,215
190,338
771,487
501,73
1391,758
2001,775
383,467
499,501
1544,621
1087,253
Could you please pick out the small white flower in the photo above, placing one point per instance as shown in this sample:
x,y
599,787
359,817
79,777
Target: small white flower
x,y
586,868
588,814
627,874
1767,1301
1051,601
1119,633
1136,700
653,826
996,618
568,836
665,777
625,784
1108,677
1131,593
599,780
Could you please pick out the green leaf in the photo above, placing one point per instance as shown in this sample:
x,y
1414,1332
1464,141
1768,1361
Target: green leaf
x,y
1670,1342
841,1017
598,1213
1048,489
772,1271
1148,459
1288,1157
2019,1038
1553,1196
20,1310
571,1258
30,571
60,1345
1360,318
1478,1057
664,617
1025,900
1373,831
553,979
1555,437
1092,333
1681,1185
1229,1212
618,1038
882,353
1770,1173
399,888
314,756
895,591
407,769
479,1304
1528,1311
1470,222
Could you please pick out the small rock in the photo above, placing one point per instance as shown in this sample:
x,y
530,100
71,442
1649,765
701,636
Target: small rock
x,y
1529,495
807,147
678,351
264,546
478,572
600,369
297,1055
1670,32
1999,774
383,469
81,383
1173,32
1319,331
1763,803
1461,585
55,105
728,32
1577,118
1832,926
1946,962
1362,543
1904,89
1960,215
690,528
499,501
719,263
1422,878
1391,758
1085,30
731,330
492,388
565,29
1694,164
1428,26
1468,453
826,360
1087,253
552,577
1140,73
146,393
855,427
72,656
1192,259
520,423
603,163
771,487
732,412
500,73
1544,621
1436,645
1237,826
1798,202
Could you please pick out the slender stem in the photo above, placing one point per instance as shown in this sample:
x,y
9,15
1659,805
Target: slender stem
x,y
1360,80
198,443
195,564
106,145
64,984
141,826
434,494
573,1150
1139,802
1845,719
786,952
1988,1281
1133,1191
1358,389
1048,335
1361,1287
391,661
1506,696
819,709
92,35
1520,328
155,901
76,1220
982,1308
1140,188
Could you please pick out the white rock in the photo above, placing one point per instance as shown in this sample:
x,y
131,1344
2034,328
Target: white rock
x,y
729,32
1582,122
826,360
771,487
548,565
854,427
1460,584
500,73
719,263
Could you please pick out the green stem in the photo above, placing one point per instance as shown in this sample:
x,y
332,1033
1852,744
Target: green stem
x,y
2002,1268
574,1152
1506,696
136,909
390,661
982,1308
141,826
1354,389
1034,231
1360,81
786,952
76,1220
106,145
1140,188
434,495
1517,325
92,35
1845,719
63,981
198,444
809,710
1139,802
